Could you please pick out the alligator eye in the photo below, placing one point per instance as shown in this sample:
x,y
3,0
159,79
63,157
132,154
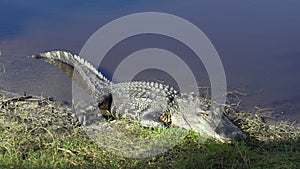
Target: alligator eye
x,y
206,114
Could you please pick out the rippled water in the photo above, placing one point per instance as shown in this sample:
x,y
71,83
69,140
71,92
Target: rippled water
x,y
258,42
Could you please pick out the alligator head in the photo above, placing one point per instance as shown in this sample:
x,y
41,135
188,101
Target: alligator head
x,y
206,119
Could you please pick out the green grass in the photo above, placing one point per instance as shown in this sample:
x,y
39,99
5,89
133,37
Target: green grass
x,y
20,149
42,146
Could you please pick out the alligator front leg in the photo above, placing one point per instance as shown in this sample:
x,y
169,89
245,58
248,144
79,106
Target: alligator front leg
x,y
151,121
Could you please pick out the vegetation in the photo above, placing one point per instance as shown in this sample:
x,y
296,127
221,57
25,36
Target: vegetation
x,y
38,133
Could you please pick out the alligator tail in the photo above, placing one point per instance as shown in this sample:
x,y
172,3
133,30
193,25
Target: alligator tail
x,y
86,76
72,60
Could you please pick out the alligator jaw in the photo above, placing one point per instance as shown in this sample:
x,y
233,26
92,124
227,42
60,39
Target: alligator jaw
x,y
225,132
208,120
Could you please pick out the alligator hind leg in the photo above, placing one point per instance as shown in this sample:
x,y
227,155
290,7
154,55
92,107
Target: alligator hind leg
x,y
104,104
96,111
89,114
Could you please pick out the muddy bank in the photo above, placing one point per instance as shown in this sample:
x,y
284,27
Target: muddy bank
x,y
36,112
57,116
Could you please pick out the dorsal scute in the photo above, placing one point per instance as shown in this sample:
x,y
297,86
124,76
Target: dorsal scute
x,y
82,61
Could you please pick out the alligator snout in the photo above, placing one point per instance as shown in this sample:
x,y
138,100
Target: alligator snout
x,y
228,130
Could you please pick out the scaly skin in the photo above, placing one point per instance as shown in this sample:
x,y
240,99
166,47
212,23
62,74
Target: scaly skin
x,y
151,104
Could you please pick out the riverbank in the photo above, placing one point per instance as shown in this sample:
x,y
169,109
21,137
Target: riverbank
x,y
42,133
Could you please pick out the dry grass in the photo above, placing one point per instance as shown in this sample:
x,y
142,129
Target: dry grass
x,y
38,133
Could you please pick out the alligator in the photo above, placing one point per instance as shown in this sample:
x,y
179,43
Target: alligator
x,y
151,104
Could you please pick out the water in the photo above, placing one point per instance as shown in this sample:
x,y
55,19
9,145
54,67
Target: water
x,y
258,42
